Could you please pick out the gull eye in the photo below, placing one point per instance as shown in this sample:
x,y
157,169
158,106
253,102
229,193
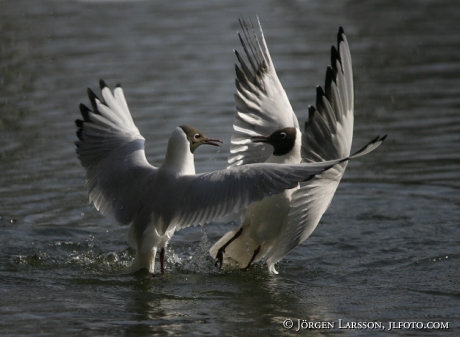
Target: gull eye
x,y
283,135
196,135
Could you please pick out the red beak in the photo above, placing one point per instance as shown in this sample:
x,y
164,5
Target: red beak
x,y
213,141
259,139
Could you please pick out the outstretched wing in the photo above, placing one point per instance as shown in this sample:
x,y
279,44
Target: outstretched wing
x,y
309,203
261,102
328,134
328,131
211,196
111,150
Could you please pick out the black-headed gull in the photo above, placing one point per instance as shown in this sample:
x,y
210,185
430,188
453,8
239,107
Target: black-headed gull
x,y
157,201
267,130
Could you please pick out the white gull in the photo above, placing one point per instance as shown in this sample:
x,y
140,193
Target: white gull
x,y
267,130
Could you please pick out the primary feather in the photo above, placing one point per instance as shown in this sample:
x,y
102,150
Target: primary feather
x,y
274,226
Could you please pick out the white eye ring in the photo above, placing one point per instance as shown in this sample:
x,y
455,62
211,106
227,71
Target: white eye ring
x,y
196,135
283,135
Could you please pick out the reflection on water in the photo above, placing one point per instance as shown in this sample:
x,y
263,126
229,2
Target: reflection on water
x,y
387,249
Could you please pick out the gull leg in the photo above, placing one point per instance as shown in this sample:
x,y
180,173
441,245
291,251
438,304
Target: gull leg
x,y
162,260
221,251
252,258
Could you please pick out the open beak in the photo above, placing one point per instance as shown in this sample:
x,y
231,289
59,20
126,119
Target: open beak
x,y
259,139
212,141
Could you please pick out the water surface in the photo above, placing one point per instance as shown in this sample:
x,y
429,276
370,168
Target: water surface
x,y
388,247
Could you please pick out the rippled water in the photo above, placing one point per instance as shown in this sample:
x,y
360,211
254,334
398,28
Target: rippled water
x,y
386,250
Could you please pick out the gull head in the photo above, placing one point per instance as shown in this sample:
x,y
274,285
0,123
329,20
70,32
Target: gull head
x,y
197,138
282,140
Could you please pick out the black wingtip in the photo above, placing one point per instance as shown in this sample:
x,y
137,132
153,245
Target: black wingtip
x,y
85,112
319,91
320,94
375,140
91,95
237,55
238,72
378,139
118,85
79,123
311,115
334,57
330,76
102,84
340,35
92,98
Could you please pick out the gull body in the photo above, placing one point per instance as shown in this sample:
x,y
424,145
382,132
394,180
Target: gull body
x,y
271,228
157,201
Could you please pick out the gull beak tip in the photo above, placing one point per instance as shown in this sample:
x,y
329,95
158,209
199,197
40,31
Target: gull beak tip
x,y
259,139
213,141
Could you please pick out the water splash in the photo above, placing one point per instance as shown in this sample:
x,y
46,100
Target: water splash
x,y
195,260
87,255
96,259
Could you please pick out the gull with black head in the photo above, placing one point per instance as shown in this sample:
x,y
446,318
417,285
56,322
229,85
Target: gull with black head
x,y
267,130
157,201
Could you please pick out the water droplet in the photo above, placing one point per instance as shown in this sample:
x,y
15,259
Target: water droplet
x,y
111,258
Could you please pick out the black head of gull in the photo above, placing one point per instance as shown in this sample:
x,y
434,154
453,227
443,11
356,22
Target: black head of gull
x,y
282,140
197,138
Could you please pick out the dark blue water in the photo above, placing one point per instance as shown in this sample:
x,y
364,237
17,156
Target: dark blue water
x,y
387,250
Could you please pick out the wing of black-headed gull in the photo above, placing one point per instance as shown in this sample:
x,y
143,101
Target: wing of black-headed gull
x,y
156,201
261,102
274,226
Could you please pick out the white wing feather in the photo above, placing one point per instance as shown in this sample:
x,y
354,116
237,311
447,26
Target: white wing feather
x,y
121,182
261,102
111,150
214,195
263,108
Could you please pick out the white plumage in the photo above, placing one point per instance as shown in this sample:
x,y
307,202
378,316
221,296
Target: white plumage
x,y
157,201
271,228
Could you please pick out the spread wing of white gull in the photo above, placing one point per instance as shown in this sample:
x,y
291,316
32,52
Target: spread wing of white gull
x,y
157,201
266,130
